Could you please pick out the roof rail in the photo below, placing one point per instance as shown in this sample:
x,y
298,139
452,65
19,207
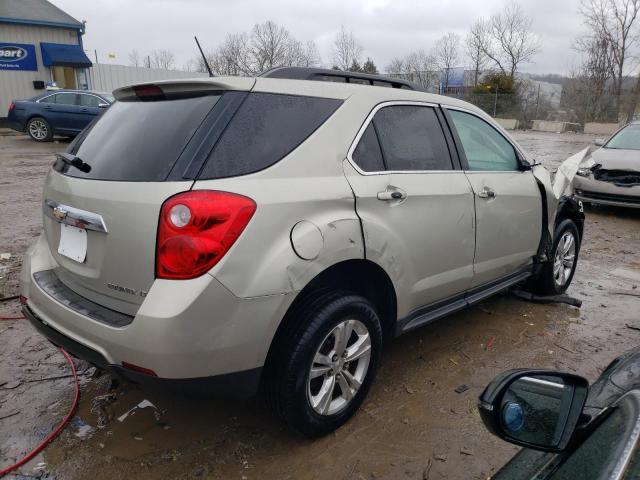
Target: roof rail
x,y
327,75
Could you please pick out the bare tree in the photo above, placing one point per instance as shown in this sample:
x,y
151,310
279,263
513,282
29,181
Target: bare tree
x,y
232,57
507,39
267,46
134,58
447,56
475,44
346,49
270,46
163,59
615,21
303,55
418,67
595,73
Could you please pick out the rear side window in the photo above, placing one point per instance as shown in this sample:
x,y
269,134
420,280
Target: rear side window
x,y
266,128
367,154
139,141
66,98
412,139
49,99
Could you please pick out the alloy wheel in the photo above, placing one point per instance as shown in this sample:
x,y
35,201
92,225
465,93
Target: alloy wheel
x,y
38,129
564,259
339,367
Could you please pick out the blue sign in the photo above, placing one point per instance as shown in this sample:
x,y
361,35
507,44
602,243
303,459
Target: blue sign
x,y
18,56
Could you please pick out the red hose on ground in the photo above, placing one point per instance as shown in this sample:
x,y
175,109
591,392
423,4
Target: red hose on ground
x,y
12,318
58,429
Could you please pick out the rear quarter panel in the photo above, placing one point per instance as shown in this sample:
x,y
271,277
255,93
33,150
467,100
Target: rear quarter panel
x,y
308,184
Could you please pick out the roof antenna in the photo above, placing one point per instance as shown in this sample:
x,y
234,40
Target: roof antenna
x,y
204,59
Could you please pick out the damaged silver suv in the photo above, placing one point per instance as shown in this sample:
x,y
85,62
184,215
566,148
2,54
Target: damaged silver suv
x,y
274,232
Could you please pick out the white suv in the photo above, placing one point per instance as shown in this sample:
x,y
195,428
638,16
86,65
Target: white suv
x,y
238,232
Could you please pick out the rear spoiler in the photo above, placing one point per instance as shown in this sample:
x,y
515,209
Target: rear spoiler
x,y
180,88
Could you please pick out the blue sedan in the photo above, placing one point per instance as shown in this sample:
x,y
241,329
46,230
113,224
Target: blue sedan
x,y
59,112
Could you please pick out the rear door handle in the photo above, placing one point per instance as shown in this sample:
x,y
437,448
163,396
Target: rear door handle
x,y
487,192
392,193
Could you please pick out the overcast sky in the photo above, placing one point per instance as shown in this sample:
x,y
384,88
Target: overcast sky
x,y
386,28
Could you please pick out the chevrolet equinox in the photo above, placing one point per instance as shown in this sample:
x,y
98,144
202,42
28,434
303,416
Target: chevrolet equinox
x,y
274,232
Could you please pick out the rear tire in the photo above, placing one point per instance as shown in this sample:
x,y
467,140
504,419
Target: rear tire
x,y
39,129
556,275
324,364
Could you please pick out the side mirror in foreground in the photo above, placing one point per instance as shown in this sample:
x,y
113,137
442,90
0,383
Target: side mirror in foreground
x,y
598,142
538,409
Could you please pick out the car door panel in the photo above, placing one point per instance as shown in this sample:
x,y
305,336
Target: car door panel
x,y
508,223
88,108
508,203
63,114
418,225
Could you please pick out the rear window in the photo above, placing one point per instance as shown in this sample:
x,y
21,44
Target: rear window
x,y
266,128
139,141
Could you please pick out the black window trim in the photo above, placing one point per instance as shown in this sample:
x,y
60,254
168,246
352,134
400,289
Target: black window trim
x,y
523,164
455,167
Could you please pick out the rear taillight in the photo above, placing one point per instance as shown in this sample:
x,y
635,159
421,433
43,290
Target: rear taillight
x,y
197,229
12,106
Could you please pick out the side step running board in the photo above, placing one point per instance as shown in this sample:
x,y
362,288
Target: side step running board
x,y
441,309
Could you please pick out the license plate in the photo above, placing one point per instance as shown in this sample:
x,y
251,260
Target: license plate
x,y
73,243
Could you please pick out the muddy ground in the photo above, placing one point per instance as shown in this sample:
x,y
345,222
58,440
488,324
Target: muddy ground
x,y
413,424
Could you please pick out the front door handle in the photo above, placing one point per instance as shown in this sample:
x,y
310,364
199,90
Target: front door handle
x,y
486,192
392,193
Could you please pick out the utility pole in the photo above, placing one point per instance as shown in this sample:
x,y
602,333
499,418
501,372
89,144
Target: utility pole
x,y
495,102
537,103
96,53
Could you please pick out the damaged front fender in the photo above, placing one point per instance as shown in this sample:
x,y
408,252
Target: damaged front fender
x,y
563,181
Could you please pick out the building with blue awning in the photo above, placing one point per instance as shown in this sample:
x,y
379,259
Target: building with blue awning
x,y
40,47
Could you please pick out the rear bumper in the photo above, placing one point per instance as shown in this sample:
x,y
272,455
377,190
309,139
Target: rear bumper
x,y
15,125
235,385
185,330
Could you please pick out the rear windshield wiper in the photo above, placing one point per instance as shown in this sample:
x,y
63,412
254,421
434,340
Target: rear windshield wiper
x,y
74,161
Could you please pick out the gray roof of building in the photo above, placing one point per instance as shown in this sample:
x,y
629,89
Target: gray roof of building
x,y
38,12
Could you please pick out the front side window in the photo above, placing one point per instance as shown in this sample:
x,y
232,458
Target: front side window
x,y
411,138
484,147
89,101
626,139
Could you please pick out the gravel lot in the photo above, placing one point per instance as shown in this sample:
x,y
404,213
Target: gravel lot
x,y
412,426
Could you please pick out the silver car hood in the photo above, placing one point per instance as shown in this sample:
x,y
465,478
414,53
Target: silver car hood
x,y
613,159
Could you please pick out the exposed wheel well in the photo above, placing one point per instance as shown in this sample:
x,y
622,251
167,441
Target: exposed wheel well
x,y
569,208
362,277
